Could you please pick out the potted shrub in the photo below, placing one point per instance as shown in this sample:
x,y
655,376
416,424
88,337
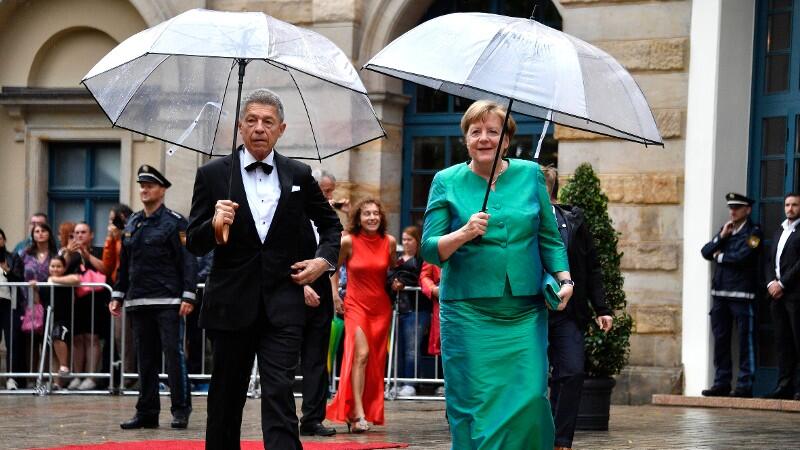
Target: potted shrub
x,y
606,353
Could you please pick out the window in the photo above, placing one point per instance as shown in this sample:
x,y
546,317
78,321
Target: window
x,y
84,184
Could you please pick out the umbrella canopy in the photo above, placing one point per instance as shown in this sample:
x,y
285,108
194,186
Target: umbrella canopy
x,y
177,82
545,73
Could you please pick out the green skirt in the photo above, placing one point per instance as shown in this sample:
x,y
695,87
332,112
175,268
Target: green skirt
x,y
494,355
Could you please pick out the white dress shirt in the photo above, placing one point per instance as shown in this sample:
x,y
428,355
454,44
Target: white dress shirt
x,y
263,191
788,229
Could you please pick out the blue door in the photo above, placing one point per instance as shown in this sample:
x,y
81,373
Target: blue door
x,y
774,143
432,137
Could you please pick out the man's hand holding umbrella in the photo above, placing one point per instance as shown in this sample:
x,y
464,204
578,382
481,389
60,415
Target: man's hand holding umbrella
x,y
224,212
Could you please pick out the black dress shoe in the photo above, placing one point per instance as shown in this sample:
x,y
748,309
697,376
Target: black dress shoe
x,y
140,422
797,396
180,422
742,393
717,391
317,429
779,394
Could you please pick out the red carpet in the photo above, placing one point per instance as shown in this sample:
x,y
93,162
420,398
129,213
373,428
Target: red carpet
x,y
198,445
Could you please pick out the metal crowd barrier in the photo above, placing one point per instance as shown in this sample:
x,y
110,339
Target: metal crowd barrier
x,y
392,380
40,377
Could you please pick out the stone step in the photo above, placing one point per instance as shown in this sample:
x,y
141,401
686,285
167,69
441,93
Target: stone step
x,y
727,402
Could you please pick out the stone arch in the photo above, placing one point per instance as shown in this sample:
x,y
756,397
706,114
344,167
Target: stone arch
x,y
156,11
68,55
386,20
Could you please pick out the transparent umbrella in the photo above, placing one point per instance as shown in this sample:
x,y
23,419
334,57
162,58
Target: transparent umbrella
x,y
534,69
181,82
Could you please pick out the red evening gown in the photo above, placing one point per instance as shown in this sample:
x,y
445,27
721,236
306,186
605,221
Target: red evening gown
x,y
367,306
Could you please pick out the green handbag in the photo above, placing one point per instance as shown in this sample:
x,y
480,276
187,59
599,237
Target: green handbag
x,y
550,288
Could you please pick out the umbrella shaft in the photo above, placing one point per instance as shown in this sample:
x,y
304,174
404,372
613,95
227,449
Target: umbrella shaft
x,y
242,65
497,155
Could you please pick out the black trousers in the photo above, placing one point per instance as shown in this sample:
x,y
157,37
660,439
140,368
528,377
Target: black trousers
x,y
786,319
194,341
277,349
566,356
314,353
724,311
157,330
10,330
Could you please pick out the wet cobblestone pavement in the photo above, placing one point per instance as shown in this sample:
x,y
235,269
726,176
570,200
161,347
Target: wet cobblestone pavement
x,y
27,421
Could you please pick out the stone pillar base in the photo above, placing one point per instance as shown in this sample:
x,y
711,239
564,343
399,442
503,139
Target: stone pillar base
x,y
637,384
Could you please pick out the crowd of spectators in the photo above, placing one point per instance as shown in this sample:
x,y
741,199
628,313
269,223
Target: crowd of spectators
x,y
81,322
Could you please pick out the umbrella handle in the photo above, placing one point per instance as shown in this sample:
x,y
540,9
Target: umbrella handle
x,y
221,233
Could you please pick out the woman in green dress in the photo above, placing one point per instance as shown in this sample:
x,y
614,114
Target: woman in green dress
x,y
493,316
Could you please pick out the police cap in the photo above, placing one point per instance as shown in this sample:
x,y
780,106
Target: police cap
x,y
734,199
149,174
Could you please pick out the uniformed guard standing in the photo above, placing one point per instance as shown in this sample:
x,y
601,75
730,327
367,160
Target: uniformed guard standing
x,y
735,250
156,279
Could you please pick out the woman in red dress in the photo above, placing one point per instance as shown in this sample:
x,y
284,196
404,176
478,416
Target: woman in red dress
x,y
367,252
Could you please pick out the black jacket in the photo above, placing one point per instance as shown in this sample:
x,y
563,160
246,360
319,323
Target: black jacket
x,y
16,268
155,269
583,265
407,272
736,272
245,271
790,265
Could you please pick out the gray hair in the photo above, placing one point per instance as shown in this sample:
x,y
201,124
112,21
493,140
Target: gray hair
x,y
264,97
328,175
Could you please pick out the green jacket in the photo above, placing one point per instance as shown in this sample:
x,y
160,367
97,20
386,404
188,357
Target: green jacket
x,y
521,237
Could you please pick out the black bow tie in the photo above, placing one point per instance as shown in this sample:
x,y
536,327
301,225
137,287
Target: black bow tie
x,y
259,164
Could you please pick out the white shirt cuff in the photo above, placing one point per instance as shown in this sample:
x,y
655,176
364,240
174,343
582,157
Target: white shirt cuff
x,y
719,257
331,267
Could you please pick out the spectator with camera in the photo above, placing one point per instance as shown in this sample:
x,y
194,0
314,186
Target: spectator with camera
x,y
90,319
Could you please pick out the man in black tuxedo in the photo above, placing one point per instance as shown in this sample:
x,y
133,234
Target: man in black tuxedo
x,y
783,275
253,303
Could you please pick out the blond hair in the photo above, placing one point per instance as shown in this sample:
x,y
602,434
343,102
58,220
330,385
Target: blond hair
x,y
480,109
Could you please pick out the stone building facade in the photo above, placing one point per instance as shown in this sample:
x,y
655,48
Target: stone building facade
x,y
664,202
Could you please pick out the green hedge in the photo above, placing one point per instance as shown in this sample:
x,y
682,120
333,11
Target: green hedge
x,y
606,353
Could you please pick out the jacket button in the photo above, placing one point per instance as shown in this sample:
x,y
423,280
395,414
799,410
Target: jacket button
x,y
503,244
501,225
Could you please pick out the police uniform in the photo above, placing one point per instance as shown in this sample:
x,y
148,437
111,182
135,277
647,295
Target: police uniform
x,y
156,274
733,291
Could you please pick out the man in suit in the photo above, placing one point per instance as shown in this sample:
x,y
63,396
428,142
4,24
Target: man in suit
x,y
783,273
253,301
314,350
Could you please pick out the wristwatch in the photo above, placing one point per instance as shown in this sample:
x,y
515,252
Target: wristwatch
x,y
566,281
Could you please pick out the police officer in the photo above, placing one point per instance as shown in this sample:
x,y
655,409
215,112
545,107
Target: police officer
x,y
735,251
156,279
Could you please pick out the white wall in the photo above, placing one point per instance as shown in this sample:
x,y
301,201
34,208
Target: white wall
x,y
717,139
